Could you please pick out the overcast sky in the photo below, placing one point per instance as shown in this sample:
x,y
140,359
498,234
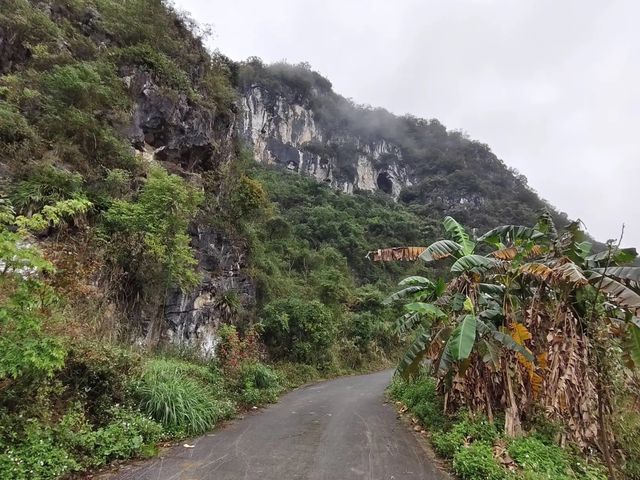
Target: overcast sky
x,y
552,86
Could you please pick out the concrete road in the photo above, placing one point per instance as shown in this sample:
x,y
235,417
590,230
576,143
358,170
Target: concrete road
x,y
335,430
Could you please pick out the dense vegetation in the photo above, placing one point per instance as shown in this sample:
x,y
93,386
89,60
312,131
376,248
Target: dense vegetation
x,y
538,329
478,449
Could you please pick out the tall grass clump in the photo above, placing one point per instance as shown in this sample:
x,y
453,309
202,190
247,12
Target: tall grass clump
x,y
180,399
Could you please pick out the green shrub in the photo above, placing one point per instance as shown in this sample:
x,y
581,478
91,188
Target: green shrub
x,y
84,85
26,350
13,126
166,70
45,185
421,397
295,374
98,374
476,462
538,458
152,241
299,330
129,434
462,432
179,400
258,384
626,426
35,454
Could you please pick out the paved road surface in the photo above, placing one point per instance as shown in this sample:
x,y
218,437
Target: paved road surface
x,y
335,430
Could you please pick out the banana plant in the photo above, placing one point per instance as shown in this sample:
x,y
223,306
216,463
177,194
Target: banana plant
x,y
519,255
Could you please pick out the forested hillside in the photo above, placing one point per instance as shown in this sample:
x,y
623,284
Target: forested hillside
x,y
295,119
155,276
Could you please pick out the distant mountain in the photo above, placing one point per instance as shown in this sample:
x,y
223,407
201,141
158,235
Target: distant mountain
x,y
293,118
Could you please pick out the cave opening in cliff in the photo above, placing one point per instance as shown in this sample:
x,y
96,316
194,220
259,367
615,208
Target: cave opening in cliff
x,y
385,183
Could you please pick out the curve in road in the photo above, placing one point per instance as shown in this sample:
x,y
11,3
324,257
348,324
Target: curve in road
x,y
336,430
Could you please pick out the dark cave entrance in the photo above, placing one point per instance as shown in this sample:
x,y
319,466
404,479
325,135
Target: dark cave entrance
x,y
385,183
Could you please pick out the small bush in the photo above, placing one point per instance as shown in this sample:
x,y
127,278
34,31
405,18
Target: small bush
x,y
98,374
295,374
421,397
476,462
448,443
258,384
129,434
181,403
232,351
535,457
45,185
626,426
36,454
299,330
13,126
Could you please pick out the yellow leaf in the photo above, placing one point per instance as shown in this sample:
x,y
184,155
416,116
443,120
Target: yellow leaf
x,y
519,333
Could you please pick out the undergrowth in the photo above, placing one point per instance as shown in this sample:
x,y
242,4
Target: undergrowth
x,y
476,447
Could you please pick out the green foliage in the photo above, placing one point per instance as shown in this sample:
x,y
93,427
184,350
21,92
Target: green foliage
x,y
258,384
173,395
44,452
14,127
476,462
533,456
299,330
159,63
127,434
151,232
25,348
45,185
421,397
626,425
467,429
469,440
36,454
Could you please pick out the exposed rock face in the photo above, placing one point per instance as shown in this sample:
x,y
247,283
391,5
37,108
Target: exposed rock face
x,y
287,134
192,318
195,138
12,51
189,139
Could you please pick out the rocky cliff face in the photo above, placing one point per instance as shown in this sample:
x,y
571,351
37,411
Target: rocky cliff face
x,y
192,318
287,134
189,140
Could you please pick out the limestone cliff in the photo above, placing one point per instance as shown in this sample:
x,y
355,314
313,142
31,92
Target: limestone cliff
x,y
287,134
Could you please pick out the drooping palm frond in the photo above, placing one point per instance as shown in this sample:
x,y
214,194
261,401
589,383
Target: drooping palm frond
x,y
405,292
410,362
630,274
440,250
407,322
415,280
474,263
623,295
459,234
615,256
427,309
510,234
632,344
463,338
